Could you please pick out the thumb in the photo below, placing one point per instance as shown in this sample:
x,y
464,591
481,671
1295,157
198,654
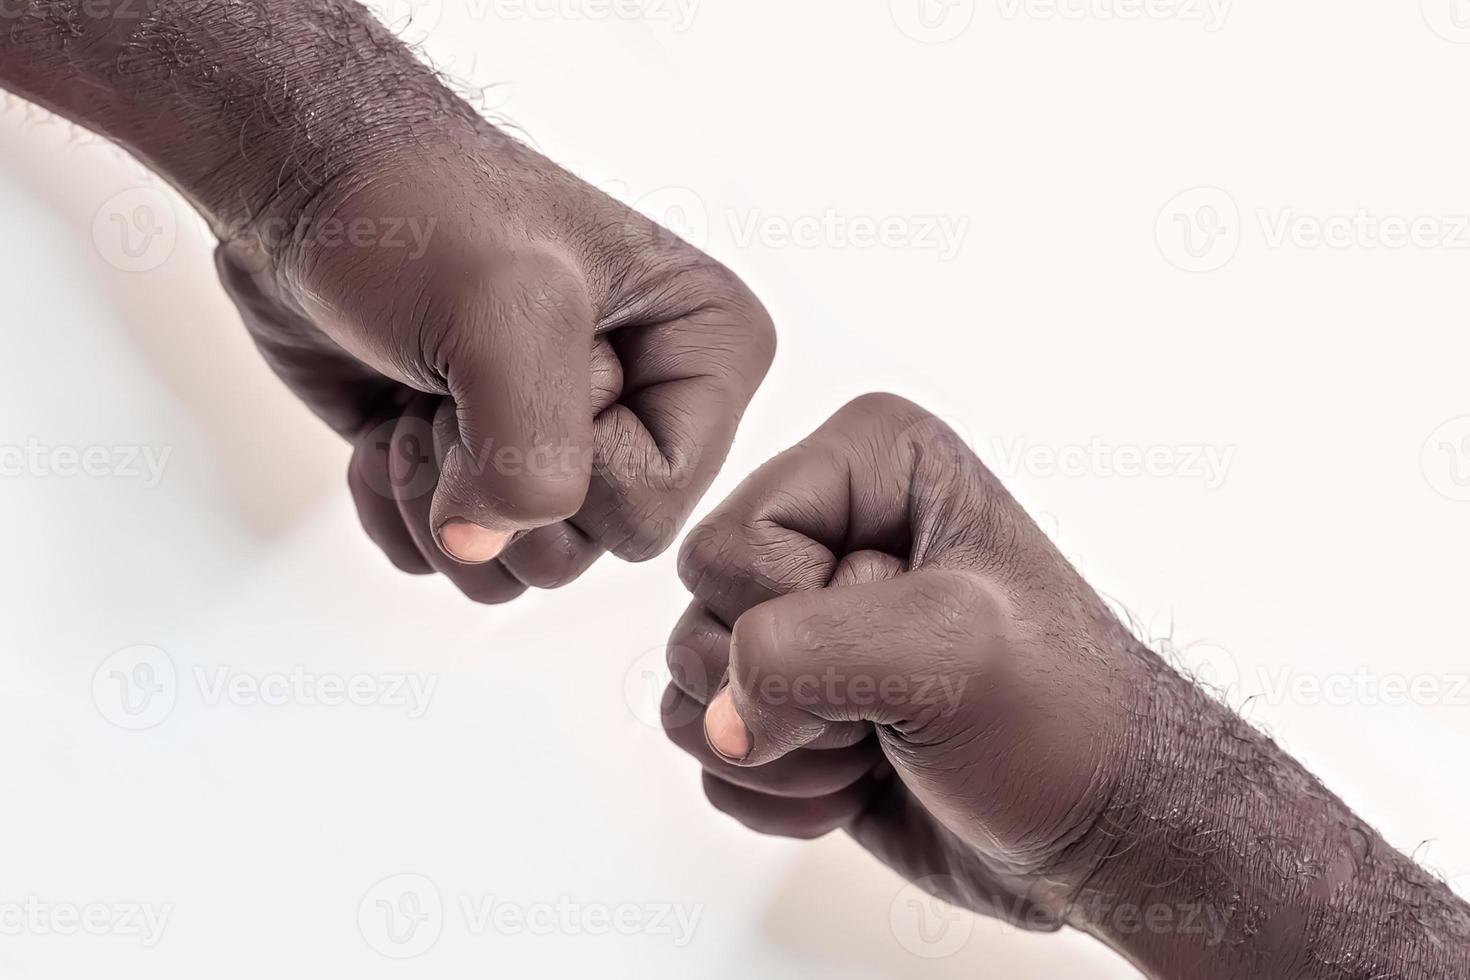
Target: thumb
x,y
897,653
517,445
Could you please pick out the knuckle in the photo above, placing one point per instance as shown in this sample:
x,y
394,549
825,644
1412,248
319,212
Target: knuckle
x,y
488,592
645,537
710,553
539,499
884,405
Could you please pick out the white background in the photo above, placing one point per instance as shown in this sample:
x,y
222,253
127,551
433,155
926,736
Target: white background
x,y
1330,550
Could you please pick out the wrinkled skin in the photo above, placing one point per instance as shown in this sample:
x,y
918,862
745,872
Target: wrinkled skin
x,y
553,367
911,661
530,373
882,641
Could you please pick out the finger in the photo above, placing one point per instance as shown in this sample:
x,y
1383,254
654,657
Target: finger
x,y
803,819
687,382
699,653
881,475
550,557
371,485
414,472
805,774
341,390
699,647
556,555
519,372
898,654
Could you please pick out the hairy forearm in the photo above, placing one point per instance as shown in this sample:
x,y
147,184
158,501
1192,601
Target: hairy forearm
x,y
247,106
1229,860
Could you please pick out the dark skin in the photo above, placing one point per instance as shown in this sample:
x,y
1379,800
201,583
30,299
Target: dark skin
x,y
883,642
911,660
551,376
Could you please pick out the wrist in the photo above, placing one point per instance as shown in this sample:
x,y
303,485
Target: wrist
x,y
248,108
307,103
1189,855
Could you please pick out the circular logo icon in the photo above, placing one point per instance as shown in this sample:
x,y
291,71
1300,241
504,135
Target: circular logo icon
x,y
412,470
944,443
1199,231
1446,459
136,688
136,230
1210,665
412,20
678,211
926,926
401,916
647,681
1450,19
933,21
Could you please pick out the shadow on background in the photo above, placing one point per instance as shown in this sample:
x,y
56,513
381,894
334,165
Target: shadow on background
x,y
275,458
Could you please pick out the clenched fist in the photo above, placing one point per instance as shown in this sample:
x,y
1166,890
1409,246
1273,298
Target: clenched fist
x,y
530,372
887,644
550,376
882,641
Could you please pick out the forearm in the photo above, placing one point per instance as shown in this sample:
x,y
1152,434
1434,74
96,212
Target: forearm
x,y
247,106
1228,860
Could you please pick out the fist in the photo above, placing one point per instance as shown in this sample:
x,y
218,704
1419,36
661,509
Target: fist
x,y
530,373
882,641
